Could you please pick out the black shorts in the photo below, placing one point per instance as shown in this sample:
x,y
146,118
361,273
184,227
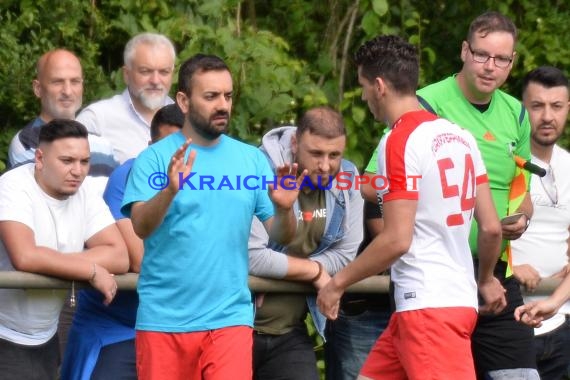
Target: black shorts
x,y
499,341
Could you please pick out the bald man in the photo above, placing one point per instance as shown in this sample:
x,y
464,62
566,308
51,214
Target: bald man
x,y
59,86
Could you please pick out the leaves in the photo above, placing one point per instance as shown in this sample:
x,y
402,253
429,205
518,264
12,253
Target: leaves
x,y
380,7
285,56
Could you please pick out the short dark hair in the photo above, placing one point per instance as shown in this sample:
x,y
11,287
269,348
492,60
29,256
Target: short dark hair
x,y
60,129
546,76
391,58
198,63
321,121
169,114
490,22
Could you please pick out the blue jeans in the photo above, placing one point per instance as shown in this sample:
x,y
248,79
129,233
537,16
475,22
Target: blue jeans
x,y
553,352
349,340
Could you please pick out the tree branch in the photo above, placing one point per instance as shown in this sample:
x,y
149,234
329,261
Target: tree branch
x,y
343,63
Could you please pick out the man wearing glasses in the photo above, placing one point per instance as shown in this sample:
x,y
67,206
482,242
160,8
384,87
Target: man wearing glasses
x,y
543,250
502,348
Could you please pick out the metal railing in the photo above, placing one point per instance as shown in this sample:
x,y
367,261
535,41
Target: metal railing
x,y
374,284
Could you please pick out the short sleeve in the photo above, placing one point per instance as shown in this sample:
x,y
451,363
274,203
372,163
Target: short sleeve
x,y
115,189
147,177
17,196
479,165
402,166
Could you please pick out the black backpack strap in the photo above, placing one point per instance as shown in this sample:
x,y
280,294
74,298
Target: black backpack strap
x,y
426,105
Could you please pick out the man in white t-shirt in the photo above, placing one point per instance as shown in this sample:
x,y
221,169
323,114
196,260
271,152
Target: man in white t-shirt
x,y
542,251
51,225
436,184
124,119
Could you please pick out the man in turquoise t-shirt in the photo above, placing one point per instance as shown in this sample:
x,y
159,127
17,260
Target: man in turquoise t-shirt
x,y
193,205
502,348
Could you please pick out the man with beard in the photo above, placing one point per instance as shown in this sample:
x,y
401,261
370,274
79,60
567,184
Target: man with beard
x,y
195,311
102,338
502,348
59,86
329,231
124,120
426,227
542,251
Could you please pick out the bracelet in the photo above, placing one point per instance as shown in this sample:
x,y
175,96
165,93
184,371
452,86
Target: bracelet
x,y
320,272
93,273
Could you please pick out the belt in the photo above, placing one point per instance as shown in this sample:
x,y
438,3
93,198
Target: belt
x,y
358,306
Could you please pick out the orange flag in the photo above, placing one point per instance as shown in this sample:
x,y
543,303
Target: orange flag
x,y
519,186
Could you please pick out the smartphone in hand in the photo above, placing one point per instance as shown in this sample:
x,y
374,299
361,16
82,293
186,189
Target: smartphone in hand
x,y
511,219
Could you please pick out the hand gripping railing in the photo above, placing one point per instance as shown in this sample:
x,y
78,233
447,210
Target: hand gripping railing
x,y
374,284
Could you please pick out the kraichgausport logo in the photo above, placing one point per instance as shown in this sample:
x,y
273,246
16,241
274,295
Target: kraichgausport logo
x,y
344,181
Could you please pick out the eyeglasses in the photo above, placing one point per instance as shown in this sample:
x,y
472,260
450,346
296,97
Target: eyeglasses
x,y
480,57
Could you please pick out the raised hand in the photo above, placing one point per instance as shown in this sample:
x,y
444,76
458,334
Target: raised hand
x,y
285,192
178,169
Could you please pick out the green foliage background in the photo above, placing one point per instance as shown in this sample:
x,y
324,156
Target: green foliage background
x,y
286,56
